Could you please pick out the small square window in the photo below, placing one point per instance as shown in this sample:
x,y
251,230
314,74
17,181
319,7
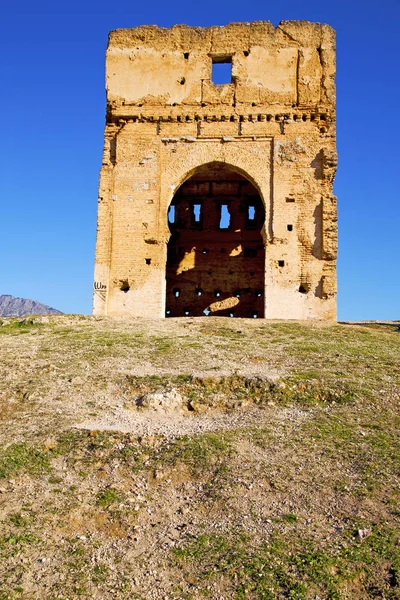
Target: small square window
x,y
221,70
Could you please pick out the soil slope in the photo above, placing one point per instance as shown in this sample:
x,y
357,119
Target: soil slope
x,y
198,458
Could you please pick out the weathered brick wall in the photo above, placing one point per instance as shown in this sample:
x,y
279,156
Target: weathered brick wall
x,y
273,125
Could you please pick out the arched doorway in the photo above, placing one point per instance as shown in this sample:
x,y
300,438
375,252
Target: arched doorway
x,y
216,255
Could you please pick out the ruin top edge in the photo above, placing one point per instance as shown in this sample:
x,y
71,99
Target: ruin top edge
x,y
296,31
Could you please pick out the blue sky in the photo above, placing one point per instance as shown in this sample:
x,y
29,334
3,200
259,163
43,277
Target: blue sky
x,y
53,107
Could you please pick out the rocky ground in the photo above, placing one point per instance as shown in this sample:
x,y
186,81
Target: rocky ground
x,y
198,458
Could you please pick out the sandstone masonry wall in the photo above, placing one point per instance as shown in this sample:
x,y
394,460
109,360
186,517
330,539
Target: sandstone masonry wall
x,y
272,126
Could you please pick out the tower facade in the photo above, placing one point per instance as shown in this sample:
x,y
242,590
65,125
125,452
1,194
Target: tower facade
x,y
216,188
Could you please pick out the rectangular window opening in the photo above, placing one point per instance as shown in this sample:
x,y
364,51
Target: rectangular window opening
x,y
221,70
196,212
171,214
251,214
225,218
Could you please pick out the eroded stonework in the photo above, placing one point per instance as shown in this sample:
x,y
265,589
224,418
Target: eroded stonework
x,y
216,198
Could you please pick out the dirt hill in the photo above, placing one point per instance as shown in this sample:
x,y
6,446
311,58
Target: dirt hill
x,y
198,458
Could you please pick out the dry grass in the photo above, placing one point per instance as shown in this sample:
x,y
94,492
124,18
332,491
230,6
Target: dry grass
x,y
289,490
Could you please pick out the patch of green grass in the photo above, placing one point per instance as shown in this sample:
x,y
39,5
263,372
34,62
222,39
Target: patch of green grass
x,y
17,326
293,567
289,518
19,520
107,497
54,479
370,449
23,457
100,573
16,594
199,453
13,544
261,437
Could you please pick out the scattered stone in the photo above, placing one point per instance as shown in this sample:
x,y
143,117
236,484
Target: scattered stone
x,y
363,533
162,401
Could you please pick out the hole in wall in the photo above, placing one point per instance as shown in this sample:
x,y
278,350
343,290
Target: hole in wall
x,y
168,312
182,81
290,227
290,199
205,251
124,285
148,261
171,214
176,292
186,55
303,290
281,263
259,293
231,314
251,213
225,217
217,293
255,315
237,294
196,213
199,291
246,52
186,312
221,70
206,311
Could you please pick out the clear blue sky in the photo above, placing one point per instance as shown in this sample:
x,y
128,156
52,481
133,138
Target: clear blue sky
x,y
53,107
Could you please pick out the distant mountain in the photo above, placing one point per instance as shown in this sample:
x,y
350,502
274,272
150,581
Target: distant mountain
x,y
20,307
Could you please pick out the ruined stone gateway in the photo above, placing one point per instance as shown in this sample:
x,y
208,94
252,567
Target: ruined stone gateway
x,y
216,195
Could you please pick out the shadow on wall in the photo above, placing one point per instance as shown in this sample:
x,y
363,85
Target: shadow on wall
x,y
216,254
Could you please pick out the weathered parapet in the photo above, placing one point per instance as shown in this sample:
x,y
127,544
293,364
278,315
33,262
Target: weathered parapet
x,y
274,124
